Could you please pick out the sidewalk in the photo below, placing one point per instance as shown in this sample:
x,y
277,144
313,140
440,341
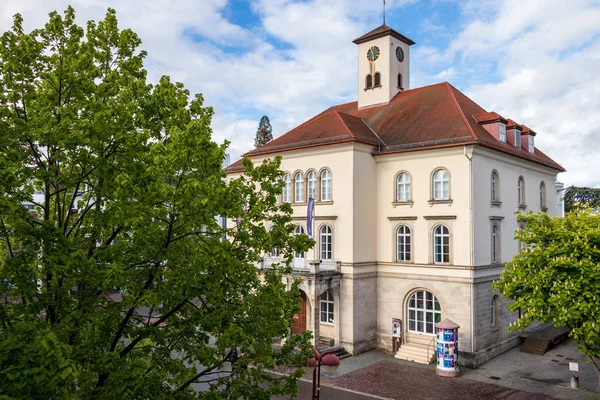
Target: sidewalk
x,y
511,376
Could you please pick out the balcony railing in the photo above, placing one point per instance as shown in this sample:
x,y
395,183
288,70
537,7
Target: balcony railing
x,y
301,264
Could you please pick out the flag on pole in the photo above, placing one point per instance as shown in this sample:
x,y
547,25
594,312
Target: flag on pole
x,y
309,217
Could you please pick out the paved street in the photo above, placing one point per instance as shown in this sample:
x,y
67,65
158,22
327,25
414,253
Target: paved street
x,y
511,376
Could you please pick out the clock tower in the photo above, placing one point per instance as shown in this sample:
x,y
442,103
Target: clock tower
x,y
383,65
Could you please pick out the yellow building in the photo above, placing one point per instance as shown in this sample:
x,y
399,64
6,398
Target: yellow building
x,y
415,192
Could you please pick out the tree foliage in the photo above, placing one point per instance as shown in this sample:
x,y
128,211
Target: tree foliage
x,y
127,185
264,133
578,197
556,277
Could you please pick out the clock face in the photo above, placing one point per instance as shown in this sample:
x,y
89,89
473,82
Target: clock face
x,y
399,54
373,53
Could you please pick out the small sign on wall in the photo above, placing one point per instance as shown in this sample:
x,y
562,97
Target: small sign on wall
x,y
574,367
396,334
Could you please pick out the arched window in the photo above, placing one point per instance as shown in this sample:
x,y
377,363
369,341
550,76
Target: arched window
x,y
441,185
287,189
403,187
299,187
543,196
311,182
298,231
495,186
424,312
377,79
325,185
403,243
326,242
441,245
495,243
494,310
400,81
369,81
326,306
521,191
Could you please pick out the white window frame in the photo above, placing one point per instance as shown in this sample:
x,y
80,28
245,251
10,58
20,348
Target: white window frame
x,y
403,244
494,186
286,194
441,184
441,242
495,243
521,191
502,132
326,308
403,187
531,145
299,187
311,185
326,185
517,138
299,230
419,308
325,242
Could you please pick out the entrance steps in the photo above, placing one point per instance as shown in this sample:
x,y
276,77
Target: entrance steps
x,y
418,348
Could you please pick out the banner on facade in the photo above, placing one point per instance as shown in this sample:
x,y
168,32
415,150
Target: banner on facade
x,y
310,211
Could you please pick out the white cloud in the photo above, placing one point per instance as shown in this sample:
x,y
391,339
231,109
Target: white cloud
x,y
532,61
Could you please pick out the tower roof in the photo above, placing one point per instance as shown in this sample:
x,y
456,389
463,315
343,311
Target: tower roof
x,y
382,31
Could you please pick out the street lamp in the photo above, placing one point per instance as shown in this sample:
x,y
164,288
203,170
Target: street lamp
x,y
330,363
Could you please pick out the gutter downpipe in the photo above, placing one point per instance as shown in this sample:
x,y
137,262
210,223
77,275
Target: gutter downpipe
x,y
471,247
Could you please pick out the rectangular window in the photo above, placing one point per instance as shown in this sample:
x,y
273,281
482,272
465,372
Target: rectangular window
x,y
517,138
531,145
502,132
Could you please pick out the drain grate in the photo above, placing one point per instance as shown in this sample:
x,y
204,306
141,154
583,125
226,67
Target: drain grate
x,y
554,360
559,355
496,378
569,359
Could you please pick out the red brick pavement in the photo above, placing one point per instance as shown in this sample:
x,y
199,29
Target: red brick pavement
x,y
399,381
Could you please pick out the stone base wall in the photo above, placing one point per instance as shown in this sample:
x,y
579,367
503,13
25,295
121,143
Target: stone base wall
x,y
476,359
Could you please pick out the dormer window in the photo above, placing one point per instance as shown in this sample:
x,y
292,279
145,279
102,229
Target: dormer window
x,y
517,138
531,145
377,79
502,132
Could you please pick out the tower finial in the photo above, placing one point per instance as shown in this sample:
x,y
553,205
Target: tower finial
x,y
384,12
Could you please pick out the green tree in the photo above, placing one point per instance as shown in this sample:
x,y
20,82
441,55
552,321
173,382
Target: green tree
x,y
577,197
129,183
264,133
556,277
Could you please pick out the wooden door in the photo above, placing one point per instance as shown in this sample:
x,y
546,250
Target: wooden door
x,y
300,318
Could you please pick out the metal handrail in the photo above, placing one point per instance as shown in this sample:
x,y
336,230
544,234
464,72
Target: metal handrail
x,y
430,342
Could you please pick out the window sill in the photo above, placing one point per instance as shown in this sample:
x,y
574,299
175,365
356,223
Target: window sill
x,y
324,203
446,201
544,209
299,203
326,323
495,203
402,203
522,207
372,88
399,88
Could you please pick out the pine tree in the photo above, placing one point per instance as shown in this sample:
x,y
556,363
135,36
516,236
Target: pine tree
x,y
264,132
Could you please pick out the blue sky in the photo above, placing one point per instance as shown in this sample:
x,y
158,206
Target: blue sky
x,y
535,62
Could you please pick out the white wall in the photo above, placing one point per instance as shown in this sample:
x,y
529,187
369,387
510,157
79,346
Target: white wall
x,y
509,170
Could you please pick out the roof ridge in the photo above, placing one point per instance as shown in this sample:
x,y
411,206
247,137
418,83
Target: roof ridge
x,y
337,113
462,114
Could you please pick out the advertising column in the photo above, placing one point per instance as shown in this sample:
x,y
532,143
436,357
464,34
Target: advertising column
x,y
447,348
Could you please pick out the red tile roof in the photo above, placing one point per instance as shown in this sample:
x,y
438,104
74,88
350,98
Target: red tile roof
x,y
428,117
489,117
513,124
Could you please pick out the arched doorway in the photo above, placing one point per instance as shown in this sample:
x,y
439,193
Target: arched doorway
x,y
423,312
299,325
